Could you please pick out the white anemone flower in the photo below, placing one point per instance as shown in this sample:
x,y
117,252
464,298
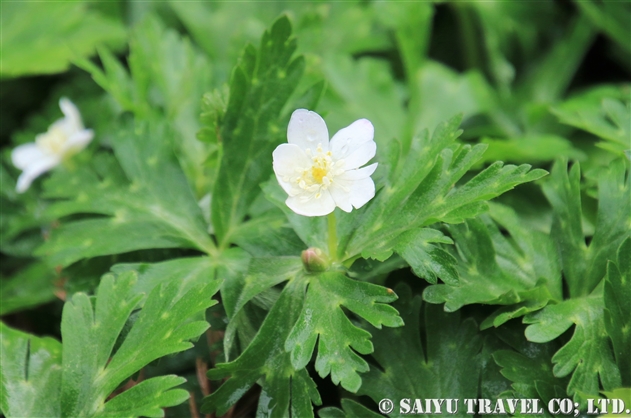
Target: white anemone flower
x,y
319,175
65,137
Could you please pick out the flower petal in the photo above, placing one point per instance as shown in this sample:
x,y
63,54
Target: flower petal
x,y
289,161
78,141
307,130
25,154
347,191
354,144
341,197
363,190
312,207
358,192
35,169
359,173
72,121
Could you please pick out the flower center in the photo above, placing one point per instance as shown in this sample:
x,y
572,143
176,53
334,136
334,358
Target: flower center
x,y
320,174
52,141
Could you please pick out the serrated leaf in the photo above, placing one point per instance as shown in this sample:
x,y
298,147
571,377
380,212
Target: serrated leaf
x,y
427,260
422,190
521,272
189,272
529,367
447,369
584,265
262,274
30,369
618,311
599,112
282,386
155,210
587,355
259,87
91,371
146,398
322,318
167,78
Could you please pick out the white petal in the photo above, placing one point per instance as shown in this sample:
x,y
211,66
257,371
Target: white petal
x,y
72,120
354,144
313,207
289,160
341,197
358,174
35,169
361,155
25,154
359,191
347,191
362,192
307,130
78,141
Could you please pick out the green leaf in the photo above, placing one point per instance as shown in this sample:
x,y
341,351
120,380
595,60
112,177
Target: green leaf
x,y
268,235
447,366
439,93
363,88
262,274
259,87
284,390
553,74
529,367
167,76
31,286
531,149
412,24
422,190
310,229
30,369
189,272
350,409
600,112
618,310
610,18
428,261
53,35
147,399
322,318
91,371
623,394
588,354
521,272
156,209
584,265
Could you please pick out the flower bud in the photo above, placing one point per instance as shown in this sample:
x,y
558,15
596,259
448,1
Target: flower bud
x,y
314,260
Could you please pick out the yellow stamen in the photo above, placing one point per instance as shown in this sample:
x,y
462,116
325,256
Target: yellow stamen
x,y
318,173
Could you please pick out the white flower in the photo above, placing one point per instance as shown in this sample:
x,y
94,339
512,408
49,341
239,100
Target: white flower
x,y
319,175
64,138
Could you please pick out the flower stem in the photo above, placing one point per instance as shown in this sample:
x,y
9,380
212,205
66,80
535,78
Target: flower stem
x,y
332,236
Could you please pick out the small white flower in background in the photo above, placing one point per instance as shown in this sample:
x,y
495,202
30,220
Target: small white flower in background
x,y
319,175
65,137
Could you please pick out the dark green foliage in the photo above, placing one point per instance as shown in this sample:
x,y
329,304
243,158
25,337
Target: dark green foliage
x,y
508,282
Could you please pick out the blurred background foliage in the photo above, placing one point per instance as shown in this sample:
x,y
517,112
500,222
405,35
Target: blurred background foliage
x,y
535,81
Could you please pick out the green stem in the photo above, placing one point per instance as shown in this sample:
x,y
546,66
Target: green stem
x,y
332,236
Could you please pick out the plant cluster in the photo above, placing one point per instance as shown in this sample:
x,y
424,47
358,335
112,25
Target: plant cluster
x,y
182,234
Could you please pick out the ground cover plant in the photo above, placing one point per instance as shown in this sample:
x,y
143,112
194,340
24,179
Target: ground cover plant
x,y
303,209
